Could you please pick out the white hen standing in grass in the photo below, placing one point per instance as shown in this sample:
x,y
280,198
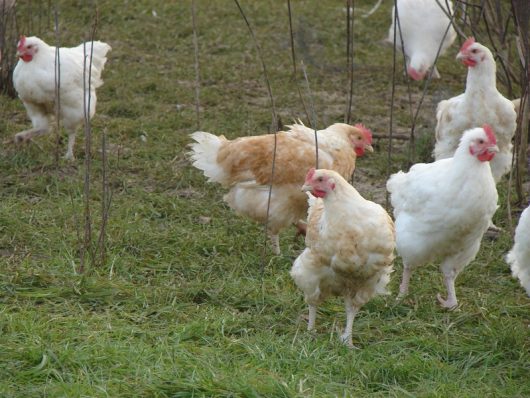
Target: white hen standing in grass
x,y
519,256
423,26
350,247
480,103
35,82
442,209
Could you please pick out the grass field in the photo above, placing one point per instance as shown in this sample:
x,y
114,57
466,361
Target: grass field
x,y
180,309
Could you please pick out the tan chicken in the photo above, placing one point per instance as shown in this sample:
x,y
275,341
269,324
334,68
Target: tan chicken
x,y
350,247
244,165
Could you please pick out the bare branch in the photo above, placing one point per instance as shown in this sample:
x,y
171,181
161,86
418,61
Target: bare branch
x,y
273,127
87,97
349,57
313,120
196,63
57,88
293,56
392,98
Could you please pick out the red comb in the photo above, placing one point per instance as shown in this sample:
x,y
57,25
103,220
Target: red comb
x,y
367,133
21,42
489,132
310,174
469,41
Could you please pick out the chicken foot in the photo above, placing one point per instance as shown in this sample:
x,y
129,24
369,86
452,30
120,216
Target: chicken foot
x,y
27,135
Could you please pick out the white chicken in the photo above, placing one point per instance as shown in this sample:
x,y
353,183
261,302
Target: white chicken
x,y
480,103
35,82
423,26
350,247
442,209
519,256
244,166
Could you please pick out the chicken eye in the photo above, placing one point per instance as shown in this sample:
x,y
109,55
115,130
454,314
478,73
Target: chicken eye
x,y
30,46
474,51
481,141
319,179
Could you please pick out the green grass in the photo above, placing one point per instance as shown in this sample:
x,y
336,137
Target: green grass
x,y
180,308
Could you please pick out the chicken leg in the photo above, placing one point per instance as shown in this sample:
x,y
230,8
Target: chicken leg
x,y
70,151
404,287
39,121
275,243
451,267
27,135
449,280
351,311
435,73
312,317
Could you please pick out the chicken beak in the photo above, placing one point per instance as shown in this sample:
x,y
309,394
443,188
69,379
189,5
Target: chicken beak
x,y
369,148
306,188
493,149
459,56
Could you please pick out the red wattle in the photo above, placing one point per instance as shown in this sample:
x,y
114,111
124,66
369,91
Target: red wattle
x,y
26,57
486,156
469,62
318,193
359,151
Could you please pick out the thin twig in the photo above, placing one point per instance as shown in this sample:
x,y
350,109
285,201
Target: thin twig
x,y
445,10
39,29
105,204
412,142
197,66
8,31
505,68
293,57
87,97
57,89
429,76
313,119
265,74
274,124
349,58
392,97
521,15
49,12
30,15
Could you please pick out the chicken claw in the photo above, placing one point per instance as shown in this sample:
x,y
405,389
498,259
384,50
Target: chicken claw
x,y
449,304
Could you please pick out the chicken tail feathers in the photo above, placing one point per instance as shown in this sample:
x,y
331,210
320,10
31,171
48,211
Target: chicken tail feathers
x,y
204,153
98,50
519,271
